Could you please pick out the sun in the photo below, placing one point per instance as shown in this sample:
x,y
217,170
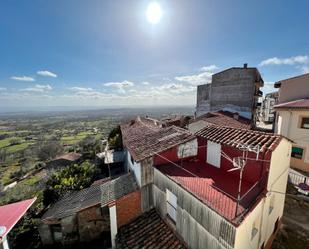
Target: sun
x,y
154,13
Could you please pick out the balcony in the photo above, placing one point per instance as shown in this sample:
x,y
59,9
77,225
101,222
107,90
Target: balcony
x,y
258,93
216,188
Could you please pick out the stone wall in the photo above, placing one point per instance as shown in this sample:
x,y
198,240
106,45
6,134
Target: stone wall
x,y
92,222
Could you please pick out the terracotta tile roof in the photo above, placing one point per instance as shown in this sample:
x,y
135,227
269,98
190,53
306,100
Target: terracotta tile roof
x,y
237,137
72,156
10,214
295,104
144,139
225,118
147,231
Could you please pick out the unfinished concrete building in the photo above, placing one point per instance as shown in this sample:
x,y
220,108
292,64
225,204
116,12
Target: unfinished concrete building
x,y
235,89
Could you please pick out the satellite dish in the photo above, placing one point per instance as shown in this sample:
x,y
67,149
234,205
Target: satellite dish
x,y
2,230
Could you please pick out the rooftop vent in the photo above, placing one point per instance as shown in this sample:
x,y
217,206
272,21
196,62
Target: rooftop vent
x,y
246,65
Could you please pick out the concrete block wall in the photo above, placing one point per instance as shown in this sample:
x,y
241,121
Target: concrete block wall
x,y
233,88
203,99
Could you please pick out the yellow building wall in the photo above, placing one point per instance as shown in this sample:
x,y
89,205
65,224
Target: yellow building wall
x,y
288,125
261,217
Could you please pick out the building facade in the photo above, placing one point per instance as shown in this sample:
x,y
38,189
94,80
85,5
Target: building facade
x,y
236,89
292,117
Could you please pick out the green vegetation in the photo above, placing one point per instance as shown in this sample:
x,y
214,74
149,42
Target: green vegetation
x,y
115,138
74,177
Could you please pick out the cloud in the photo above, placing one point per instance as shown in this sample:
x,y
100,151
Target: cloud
x,y
210,68
80,89
174,88
145,83
196,79
22,78
300,59
268,87
120,85
2,89
200,78
38,88
46,73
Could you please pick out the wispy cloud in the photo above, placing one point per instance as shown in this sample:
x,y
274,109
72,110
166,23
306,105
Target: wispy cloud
x,y
120,85
38,88
146,83
22,78
210,68
294,60
46,73
2,89
80,89
200,78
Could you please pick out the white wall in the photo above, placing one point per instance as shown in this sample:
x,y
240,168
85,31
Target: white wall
x,y
135,167
276,187
290,127
187,149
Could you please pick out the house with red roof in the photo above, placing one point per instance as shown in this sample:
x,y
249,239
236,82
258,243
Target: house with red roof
x,y
292,117
222,187
10,214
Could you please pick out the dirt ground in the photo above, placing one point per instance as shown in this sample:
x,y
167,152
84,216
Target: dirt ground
x,y
294,232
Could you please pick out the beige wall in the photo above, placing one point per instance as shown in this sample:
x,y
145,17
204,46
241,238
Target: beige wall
x,y
288,125
261,215
296,88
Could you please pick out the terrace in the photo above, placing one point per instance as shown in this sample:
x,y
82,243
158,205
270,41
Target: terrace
x,y
215,187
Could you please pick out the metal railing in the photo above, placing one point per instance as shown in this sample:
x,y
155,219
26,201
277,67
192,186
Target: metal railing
x,y
296,178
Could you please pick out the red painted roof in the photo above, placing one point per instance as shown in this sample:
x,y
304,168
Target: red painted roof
x,y
144,138
10,214
225,118
236,138
295,104
216,188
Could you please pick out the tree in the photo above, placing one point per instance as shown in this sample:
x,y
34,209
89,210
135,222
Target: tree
x,y
49,150
115,138
74,177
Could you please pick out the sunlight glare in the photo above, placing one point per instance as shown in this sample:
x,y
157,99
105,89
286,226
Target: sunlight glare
x,y
154,13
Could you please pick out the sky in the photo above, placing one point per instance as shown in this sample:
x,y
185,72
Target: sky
x,y
105,53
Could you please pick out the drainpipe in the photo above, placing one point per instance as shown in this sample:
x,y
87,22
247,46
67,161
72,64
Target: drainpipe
x,y
113,222
289,126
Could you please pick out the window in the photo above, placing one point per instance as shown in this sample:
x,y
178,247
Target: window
x,y
213,154
297,152
305,123
56,232
171,205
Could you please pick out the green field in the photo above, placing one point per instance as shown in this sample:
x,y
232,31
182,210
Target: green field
x,y
71,139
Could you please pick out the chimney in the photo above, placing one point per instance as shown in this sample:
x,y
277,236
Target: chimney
x,y
246,65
